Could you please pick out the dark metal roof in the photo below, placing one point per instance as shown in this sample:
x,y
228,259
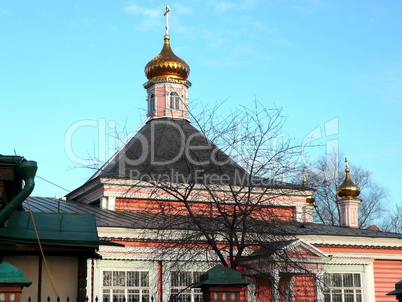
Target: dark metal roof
x,y
330,230
104,217
170,150
136,219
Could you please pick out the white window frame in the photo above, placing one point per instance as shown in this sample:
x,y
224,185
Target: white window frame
x,y
330,290
152,103
194,293
142,290
174,100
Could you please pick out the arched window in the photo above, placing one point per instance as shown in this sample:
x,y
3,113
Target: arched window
x,y
152,103
174,100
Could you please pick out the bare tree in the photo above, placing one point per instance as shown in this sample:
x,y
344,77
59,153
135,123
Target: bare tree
x,y
221,193
222,199
326,177
228,194
393,223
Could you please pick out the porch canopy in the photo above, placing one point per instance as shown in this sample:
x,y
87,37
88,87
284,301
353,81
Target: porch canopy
x,y
54,229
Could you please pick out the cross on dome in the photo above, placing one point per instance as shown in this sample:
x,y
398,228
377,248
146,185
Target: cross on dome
x,y
167,64
166,14
167,85
347,164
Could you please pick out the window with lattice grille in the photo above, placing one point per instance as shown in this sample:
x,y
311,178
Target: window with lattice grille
x,y
127,286
342,287
181,290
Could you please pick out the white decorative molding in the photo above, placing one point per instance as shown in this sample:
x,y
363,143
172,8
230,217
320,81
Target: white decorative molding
x,y
353,241
350,261
366,256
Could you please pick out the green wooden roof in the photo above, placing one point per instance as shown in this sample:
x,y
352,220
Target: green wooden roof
x,y
221,275
11,274
398,289
60,229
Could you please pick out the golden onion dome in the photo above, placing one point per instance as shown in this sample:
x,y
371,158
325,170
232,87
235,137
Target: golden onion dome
x,y
167,64
310,200
348,189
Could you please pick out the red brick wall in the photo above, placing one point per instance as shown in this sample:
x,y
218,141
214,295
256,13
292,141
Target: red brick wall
x,y
263,290
201,208
304,288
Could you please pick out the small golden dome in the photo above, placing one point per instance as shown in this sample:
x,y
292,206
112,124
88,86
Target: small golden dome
x,y
348,190
310,200
167,64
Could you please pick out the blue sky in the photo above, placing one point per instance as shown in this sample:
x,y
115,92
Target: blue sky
x,y
71,74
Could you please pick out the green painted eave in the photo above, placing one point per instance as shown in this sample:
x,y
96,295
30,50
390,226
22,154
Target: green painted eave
x,y
221,275
398,289
12,275
75,230
9,160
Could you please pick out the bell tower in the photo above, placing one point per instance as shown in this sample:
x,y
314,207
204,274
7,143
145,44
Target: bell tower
x,y
167,85
349,202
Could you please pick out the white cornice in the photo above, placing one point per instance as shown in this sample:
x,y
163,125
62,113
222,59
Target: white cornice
x,y
339,256
356,241
351,261
316,240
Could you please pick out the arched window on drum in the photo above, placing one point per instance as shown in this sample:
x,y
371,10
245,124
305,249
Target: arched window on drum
x,y
152,103
174,100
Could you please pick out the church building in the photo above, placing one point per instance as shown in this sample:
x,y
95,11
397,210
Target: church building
x,y
179,205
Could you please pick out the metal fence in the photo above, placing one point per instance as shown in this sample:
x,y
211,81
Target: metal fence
x,y
66,300
105,299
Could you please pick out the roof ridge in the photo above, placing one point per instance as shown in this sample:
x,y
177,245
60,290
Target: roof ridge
x,y
112,158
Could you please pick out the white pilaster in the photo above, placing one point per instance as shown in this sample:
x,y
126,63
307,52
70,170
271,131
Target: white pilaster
x,y
108,202
275,285
349,212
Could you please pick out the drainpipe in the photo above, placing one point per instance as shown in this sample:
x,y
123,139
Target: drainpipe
x,y
26,170
160,281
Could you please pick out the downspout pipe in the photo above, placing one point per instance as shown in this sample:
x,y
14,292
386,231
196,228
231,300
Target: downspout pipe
x,y
26,169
